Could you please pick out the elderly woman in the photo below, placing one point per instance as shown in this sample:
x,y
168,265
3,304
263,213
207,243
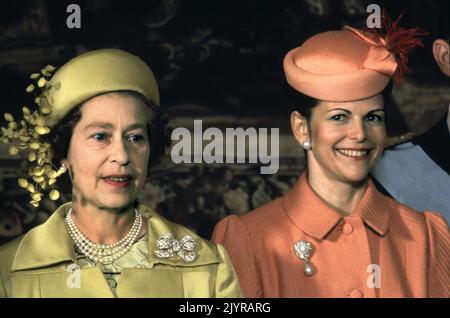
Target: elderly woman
x,y
101,116
333,234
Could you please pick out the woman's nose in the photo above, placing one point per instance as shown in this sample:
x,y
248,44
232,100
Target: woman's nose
x,y
357,131
119,153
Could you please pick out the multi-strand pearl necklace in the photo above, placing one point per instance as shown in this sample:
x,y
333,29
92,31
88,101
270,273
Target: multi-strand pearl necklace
x,y
103,253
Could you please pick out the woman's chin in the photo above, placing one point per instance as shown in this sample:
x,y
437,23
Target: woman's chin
x,y
116,203
356,177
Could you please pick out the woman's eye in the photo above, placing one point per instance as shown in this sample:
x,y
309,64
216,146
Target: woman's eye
x,y
339,117
375,118
100,136
136,138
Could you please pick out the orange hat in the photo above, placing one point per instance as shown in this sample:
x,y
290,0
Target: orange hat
x,y
348,65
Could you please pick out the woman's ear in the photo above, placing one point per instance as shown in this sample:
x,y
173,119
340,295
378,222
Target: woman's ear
x,y
65,166
441,54
299,125
65,163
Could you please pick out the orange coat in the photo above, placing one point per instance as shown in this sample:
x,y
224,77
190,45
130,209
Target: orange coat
x,y
412,249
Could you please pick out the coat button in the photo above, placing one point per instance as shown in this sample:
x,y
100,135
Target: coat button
x,y
347,229
356,293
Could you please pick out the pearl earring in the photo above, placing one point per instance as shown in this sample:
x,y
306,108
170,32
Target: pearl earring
x,y
306,145
63,168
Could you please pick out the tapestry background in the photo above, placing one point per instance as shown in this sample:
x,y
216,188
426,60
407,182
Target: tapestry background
x,y
219,61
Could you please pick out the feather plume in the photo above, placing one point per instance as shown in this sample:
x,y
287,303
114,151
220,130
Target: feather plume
x,y
399,41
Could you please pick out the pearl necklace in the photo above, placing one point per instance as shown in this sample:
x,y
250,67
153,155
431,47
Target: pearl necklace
x,y
103,253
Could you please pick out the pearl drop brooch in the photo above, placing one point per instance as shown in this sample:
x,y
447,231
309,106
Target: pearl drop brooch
x,y
304,250
103,253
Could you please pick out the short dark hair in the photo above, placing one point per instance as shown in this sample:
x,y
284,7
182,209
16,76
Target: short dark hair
x,y
157,130
296,101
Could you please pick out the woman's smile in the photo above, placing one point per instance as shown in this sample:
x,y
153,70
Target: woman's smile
x,y
118,181
354,154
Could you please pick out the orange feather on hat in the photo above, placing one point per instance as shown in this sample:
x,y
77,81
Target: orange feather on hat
x,y
399,41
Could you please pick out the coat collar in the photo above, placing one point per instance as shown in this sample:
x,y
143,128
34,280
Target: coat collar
x,y
317,218
46,244
50,244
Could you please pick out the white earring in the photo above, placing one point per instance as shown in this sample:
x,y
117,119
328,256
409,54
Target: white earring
x,y
63,168
306,145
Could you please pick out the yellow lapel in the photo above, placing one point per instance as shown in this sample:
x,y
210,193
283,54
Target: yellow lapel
x,y
46,252
46,244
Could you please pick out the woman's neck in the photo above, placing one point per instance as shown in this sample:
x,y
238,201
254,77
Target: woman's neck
x,y
104,226
341,195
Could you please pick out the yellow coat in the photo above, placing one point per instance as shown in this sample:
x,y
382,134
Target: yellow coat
x,y
37,264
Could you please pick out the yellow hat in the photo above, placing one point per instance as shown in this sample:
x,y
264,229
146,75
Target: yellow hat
x,y
95,73
88,75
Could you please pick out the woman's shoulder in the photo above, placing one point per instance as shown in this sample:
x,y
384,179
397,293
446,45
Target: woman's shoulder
x,y
7,253
10,246
415,222
258,222
262,213
438,230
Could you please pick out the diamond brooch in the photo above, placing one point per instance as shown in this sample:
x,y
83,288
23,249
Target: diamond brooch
x,y
304,250
170,247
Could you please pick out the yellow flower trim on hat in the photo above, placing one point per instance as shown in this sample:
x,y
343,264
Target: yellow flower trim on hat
x,y
25,135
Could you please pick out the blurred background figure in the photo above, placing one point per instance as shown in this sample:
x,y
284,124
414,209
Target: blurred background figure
x,y
417,172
